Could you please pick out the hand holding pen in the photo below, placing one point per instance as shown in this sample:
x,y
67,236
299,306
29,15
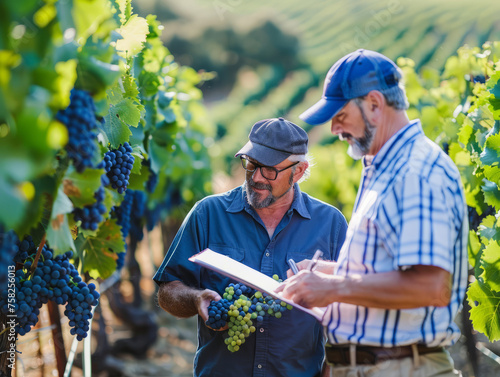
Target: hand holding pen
x,y
309,289
312,263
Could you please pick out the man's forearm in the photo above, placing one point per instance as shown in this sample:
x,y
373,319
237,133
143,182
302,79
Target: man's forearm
x,y
421,286
178,299
418,287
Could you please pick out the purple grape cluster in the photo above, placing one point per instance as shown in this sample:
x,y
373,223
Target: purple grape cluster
x,y
217,313
55,279
91,215
79,308
118,164
8,249
79,118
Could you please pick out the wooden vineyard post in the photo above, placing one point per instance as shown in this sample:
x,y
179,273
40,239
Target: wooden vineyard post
x,y
6,363
57,336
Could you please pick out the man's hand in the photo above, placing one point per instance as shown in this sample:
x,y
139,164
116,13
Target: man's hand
x,y
203,301
309,288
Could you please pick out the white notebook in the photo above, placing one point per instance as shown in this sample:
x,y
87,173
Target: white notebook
x,y
248,276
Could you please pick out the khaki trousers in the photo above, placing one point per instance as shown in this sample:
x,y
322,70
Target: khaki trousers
x,y
439,364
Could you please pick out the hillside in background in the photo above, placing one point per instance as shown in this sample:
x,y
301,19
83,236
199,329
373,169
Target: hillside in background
x,y
270,59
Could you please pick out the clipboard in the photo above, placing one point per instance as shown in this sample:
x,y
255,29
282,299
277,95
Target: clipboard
x,y
255,279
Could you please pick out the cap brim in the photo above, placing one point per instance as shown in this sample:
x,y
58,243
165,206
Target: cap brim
x,y
262,154
322,111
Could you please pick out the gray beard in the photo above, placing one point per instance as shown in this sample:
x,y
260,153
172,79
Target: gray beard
x,y
254,198
362,145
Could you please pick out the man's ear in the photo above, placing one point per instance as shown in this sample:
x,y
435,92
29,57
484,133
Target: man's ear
x,y
374,106
300,170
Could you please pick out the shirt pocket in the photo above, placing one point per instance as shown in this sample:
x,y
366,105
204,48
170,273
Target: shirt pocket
x,y
214,280
232,252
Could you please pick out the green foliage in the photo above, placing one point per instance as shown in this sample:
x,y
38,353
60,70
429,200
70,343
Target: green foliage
x,y
465,120
142,97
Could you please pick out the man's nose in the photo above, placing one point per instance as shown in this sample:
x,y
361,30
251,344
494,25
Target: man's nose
x,y
335,127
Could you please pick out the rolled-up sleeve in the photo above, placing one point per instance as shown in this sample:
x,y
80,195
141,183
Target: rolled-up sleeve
x,y
189,240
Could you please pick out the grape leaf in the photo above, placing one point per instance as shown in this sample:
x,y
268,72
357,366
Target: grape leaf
x,y
485,306
80,187
116,131
492,173
465,133
490,155
490,263
13,205
128,112
137,181
493,85
159,155
134,33
489,228
474,248
130,86
88,15
491,194
100,252
62,204
59,234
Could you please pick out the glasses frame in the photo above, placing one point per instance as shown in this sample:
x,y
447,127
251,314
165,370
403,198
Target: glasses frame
x,y
258,166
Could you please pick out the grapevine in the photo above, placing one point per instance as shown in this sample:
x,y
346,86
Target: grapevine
x,y
71,102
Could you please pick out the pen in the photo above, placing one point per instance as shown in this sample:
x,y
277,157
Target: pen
x,y
293,266
315,259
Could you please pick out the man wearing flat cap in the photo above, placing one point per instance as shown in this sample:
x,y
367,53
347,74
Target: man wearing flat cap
x,y
402,272
263,223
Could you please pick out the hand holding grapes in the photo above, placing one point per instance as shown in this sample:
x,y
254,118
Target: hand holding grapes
x,y
203,301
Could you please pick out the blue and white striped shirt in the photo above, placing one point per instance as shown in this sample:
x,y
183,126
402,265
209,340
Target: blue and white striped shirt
x,y
410,210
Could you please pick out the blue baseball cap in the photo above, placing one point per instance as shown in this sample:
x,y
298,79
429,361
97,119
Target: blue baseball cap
x,y
274,140
354,75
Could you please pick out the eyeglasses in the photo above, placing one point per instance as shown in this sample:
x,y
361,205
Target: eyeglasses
x,y
268,172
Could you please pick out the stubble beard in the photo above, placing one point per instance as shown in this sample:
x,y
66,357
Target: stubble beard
x,y
253,197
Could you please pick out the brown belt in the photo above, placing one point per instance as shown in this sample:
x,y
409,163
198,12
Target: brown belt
x,y
340,354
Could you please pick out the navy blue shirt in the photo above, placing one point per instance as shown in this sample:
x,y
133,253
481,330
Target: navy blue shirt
x,y
227,224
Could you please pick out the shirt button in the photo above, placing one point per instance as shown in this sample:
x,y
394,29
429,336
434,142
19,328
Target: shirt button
x,y
259,366
261,329
267,254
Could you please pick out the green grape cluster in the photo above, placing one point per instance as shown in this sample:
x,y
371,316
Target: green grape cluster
x,y
240,324
240,309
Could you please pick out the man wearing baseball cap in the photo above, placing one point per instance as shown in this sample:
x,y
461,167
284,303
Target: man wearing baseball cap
x,y
263,223
401,274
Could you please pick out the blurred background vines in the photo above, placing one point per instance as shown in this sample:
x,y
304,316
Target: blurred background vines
x,y
102,134
159,128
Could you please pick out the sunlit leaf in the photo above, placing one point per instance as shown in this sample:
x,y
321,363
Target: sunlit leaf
x,y
133,33
100,252
485,306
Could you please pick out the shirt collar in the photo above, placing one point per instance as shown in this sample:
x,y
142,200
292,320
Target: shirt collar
x,y
240,202
394,144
